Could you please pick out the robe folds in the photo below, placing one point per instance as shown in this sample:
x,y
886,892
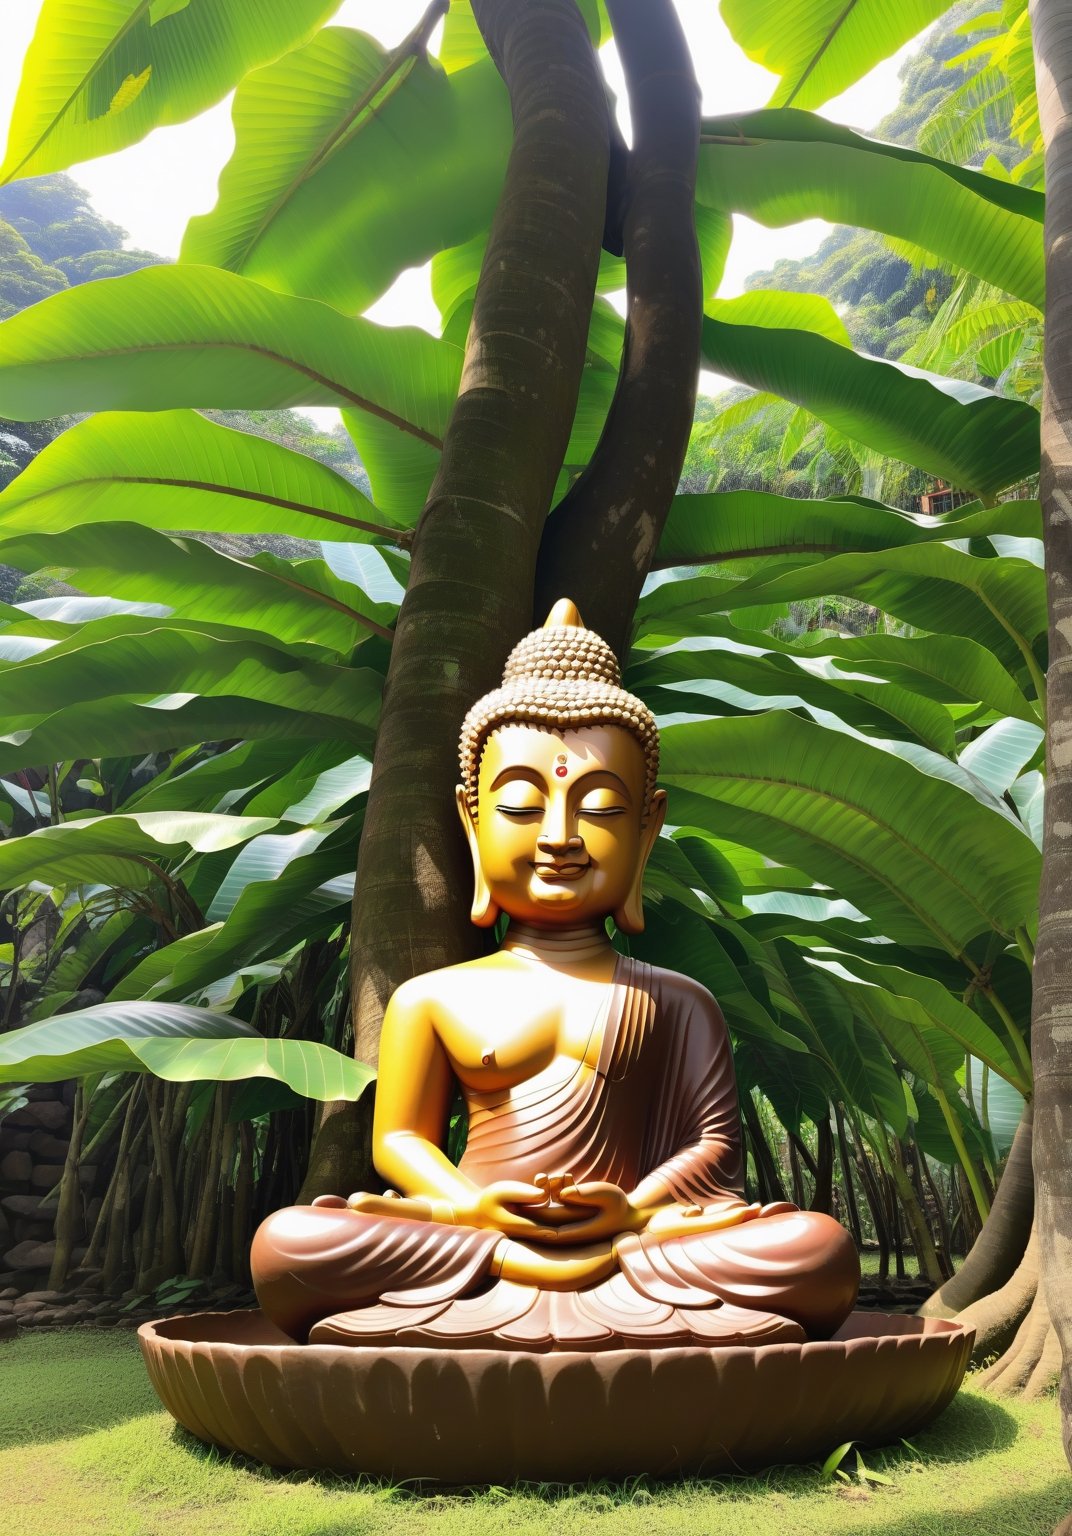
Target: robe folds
x,y
661,1102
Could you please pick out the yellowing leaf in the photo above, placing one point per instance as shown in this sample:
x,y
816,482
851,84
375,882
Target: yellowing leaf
x,y
129,91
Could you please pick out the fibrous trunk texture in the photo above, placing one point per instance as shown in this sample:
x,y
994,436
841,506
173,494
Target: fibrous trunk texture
x,y
997,1315
469,595
601,538
1051,1025
998,1250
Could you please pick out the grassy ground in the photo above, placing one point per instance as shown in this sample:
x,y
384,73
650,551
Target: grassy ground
x,y
86,1451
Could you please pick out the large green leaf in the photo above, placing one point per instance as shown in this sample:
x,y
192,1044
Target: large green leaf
x,y
888,837
98,77
819,47
198,336
93,728
146,657
119,850
960,431
312,894
709,527
179,1044
291,602
848,1045
682,941
344,174
176,469
949,668
783,166
202,780
1000,604
748,677
999,755
926,1004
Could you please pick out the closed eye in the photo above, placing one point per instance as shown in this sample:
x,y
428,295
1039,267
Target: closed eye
x,y
520,810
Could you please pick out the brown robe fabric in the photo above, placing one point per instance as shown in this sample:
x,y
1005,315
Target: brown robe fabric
x,y
662,1102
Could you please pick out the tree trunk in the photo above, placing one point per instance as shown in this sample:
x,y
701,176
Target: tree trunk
x,y
1051,1026
823,1199
601,538
915,1219
469,597
997,1315
767,1171
851,1206
994,1257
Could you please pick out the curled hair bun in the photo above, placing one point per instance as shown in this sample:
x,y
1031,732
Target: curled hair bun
x,y
562,677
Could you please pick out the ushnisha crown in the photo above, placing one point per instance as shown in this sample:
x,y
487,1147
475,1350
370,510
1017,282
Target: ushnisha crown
x,y
561,677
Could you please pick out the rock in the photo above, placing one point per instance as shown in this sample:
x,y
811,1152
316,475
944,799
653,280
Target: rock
x,y
28,1208
8,1293
8,1327
65,1316
47,1148
102,1309
45,1177
31,1255
43,1298
16,1168
14,1141
43,1114
6,1307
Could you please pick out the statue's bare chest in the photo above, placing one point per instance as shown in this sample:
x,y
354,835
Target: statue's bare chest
x,y
516,1026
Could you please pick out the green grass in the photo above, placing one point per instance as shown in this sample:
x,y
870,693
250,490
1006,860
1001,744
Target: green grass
x,y
85,1450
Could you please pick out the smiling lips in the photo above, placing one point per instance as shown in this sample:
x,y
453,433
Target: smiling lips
x,y
570,871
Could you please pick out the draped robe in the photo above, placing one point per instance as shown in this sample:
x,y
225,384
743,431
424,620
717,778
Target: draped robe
x,y
660,1102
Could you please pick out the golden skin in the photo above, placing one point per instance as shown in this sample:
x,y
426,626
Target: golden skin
x,y
558,853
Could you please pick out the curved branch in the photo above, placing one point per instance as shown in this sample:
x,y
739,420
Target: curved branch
x,y
600,540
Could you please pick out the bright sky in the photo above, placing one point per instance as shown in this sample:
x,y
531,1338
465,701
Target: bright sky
x,y
152,188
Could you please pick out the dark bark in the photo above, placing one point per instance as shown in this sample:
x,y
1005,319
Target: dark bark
x,y
996,1254
767,1170
799,1196
470,591
1051,1024
911,1211
823,1198
876,1201
601,539
851,1206
941,1215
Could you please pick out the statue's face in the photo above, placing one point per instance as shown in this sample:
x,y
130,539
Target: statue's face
x,y
560,830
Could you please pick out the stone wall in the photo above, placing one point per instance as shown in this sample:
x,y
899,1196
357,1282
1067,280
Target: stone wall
x,y
33,1149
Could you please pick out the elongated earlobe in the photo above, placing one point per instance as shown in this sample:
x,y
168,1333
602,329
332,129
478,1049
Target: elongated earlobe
x,y
485,911
629,917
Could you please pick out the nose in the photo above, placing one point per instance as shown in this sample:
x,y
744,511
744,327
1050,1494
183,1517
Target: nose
x,y
555,836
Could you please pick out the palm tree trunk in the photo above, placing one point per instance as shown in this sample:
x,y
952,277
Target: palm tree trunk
x,y
1051,1026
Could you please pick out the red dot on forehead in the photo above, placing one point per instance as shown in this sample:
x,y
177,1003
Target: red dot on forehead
x,y
562,771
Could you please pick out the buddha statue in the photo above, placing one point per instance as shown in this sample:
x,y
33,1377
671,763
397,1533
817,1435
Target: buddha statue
x,y
599,1202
